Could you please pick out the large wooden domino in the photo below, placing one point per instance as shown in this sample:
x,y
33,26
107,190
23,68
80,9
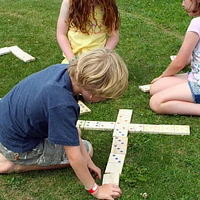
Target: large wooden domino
x,y
80,124
120,141
144,88
91,125
173,57
118,149
135,128
4,50
121,130
83,107
112,178
112,168
22,55
107,126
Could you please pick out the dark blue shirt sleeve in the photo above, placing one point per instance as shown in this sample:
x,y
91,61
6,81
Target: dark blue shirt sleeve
x,y
62,126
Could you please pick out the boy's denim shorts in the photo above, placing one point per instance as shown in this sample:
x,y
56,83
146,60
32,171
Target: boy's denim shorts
x,y
195,89
44,154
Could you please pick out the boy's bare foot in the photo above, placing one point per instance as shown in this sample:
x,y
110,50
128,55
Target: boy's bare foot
x,y
6,166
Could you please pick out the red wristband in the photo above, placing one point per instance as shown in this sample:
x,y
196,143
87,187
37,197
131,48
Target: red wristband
x,y
93,189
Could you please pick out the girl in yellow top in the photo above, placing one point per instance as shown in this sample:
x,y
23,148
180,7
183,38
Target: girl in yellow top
x,y
84,25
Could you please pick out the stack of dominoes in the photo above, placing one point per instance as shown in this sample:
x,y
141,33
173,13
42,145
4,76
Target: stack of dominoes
x,y
119,147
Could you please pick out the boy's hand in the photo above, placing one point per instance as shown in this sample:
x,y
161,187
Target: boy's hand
x,y
108,192
95,171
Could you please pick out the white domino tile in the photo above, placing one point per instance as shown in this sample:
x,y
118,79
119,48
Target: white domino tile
x,y
144,88
121,130
107,125
123,119
135,128
167,129
22,55
91,125
182,130
173,57
114,168
80,124
4,50
118,149
120,141
151,128
112,178
116,158
83,107
125,112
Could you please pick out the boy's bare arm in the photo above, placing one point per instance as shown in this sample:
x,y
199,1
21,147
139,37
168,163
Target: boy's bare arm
x,y
79,165
90,164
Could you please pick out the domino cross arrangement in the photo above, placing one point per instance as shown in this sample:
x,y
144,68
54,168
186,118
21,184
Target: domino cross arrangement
x,y
120,129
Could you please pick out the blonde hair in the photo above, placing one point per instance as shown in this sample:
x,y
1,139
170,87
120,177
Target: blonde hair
x,y
101,72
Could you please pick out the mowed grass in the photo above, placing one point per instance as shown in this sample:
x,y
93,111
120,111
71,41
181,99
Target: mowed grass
x,y
165,167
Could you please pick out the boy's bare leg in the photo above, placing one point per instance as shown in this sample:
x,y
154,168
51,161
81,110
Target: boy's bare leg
x,y
7,166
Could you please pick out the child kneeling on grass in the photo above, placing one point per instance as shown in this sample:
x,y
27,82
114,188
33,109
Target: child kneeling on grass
x,y
38,117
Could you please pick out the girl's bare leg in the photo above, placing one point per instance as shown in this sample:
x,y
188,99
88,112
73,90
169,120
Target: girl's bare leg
x,y
167,82
175,100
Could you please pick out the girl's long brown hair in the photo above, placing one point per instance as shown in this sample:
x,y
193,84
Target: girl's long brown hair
x,y
197,6
80,11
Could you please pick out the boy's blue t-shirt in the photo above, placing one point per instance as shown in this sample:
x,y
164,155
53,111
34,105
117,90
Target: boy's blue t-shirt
x,y
40,106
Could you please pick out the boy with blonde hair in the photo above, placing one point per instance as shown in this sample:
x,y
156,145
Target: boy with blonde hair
x,y
38,117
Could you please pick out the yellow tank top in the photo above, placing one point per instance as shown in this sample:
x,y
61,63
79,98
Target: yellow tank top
x,y
81,43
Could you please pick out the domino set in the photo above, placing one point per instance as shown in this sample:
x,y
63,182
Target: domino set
x,y
121,128
19,53
134,128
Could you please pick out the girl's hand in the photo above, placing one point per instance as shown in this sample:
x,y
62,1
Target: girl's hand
x,y
156,79
108,192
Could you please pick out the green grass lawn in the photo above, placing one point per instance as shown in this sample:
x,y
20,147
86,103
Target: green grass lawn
x,y
165,167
